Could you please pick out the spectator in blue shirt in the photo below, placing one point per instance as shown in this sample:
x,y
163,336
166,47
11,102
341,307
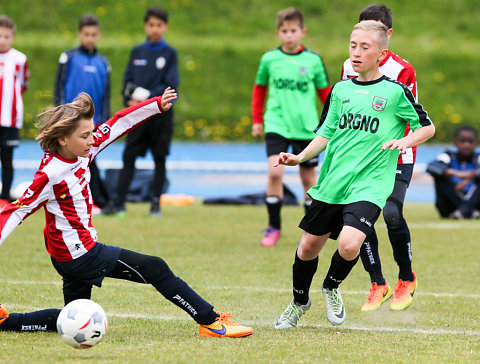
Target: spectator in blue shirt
x,y
84,69
457,177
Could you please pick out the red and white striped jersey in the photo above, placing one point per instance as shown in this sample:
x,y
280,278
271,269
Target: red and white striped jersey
x,y
13,83
396,68
61,187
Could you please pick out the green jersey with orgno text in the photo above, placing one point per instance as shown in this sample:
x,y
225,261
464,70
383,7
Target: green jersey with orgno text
x,y
358,118
292,80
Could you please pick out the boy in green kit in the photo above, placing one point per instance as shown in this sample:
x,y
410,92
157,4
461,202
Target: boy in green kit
x,y
359,120
293,77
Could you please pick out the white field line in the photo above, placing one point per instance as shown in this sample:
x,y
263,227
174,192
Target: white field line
x,y
468,225
263,323
202,166
118,283
266,324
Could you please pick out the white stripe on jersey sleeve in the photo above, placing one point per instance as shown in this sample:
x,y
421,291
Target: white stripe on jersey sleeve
x,y
122,123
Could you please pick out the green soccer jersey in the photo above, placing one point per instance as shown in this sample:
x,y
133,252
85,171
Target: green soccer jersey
x,y
358,118
292,80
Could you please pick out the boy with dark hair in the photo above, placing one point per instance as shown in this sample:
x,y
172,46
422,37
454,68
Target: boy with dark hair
x,y
151,68
396,68
14,76
457,177
84,69
293,76
360,117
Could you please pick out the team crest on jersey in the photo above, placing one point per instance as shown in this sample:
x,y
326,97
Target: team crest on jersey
x,y
303,70
379,103
160,62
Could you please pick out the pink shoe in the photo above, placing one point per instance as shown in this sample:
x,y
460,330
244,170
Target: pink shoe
x,y
271,237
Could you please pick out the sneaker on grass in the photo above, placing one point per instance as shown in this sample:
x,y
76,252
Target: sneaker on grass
x,y
271,236
334,306
224,327
3,313
378,295
403,294
289,318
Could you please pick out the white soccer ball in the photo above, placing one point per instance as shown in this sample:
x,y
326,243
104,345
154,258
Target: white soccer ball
x,y
82,323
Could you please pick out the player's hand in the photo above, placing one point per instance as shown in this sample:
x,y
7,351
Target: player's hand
x,y
287,159
169,95
460,186
393,144
257,130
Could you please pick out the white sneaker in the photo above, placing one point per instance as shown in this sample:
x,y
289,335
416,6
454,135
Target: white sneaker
x,y
289,318
334,306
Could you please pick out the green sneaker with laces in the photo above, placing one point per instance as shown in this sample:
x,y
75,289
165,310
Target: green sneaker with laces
x,y
334,306
289,318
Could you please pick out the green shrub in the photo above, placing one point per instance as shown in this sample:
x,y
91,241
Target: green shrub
x,y
220,44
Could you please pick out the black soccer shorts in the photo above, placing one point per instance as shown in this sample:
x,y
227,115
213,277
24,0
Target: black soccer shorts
x,y
276,144
323,218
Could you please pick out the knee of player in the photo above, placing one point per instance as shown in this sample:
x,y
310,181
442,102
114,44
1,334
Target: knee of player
x,y
392,214
156,269
348,250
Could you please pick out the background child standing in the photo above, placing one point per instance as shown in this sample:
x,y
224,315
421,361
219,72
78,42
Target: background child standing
x,y
293,76
14,76
84,69
151,68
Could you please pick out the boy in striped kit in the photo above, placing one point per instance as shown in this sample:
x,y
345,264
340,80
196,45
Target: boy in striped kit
x,y
13,83
61,187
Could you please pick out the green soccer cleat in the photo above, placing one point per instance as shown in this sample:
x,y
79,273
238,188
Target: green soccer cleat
x,y
289,318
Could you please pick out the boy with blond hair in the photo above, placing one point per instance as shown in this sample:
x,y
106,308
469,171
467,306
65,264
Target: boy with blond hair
x,y
399,69
359,120
293,76
14,76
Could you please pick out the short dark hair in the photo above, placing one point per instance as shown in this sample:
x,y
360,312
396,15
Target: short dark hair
x,y
156,12
290,14
467,128
6,22
377,12
87,20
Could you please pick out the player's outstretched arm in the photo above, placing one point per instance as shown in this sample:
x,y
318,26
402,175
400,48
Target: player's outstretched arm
x,y
168,96
313,149
417,137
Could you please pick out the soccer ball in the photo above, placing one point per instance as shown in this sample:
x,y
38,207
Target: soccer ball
x,y
82,323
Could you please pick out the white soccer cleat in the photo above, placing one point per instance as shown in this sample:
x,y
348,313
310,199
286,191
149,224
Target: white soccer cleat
x,y
289,318
334,306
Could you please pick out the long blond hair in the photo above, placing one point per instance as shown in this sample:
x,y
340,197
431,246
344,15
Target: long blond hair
x,y
62,120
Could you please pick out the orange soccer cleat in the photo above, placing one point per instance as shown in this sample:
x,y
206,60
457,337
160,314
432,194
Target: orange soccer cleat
x,y
3,313
223,327
378,295
403,294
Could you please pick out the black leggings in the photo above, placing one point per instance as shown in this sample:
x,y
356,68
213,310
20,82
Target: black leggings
x,y
6,157
147,269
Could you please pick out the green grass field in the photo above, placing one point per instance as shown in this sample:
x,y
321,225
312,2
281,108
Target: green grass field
x,y
216,249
